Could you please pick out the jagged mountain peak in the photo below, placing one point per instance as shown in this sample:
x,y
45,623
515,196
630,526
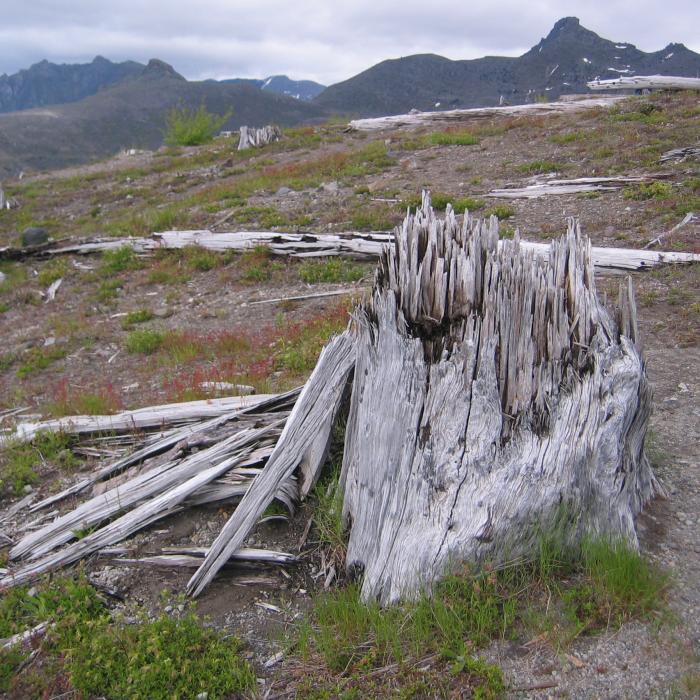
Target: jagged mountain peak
x,y
158,69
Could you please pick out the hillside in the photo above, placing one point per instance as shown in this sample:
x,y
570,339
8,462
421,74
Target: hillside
x,y
561,63
127,331
132,115
47,83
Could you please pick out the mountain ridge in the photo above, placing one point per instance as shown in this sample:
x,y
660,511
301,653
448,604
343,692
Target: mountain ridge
x,y
561,62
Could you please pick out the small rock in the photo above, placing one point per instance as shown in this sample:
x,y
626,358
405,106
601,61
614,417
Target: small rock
x,y
168,608
49,342
202,696
331,187
28,488
163,312
3,277
282,191
34,236
32,592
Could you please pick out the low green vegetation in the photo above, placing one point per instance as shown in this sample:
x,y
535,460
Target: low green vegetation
x,y
332,270
560,595
52,271
134,318
502,211
649,190
257,265
190,127
440,200
567,137
539,167
118,260
39,359
19,460
297,351
453,138
646,113
144,341
153,659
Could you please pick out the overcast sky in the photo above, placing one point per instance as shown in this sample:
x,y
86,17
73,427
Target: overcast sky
x,y
322,40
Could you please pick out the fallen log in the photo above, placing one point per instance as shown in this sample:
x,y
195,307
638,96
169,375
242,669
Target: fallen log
x,y
582,184
252,137
138,419
361,246
646,82
416,119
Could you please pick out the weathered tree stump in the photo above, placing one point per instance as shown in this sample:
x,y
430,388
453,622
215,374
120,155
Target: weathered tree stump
x,y
250,137
493,396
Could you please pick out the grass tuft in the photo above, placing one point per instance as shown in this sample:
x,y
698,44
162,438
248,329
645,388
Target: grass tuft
x,y
144,342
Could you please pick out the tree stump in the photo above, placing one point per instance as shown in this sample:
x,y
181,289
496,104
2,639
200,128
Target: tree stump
x,y
494,398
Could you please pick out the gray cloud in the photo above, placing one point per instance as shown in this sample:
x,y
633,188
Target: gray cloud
x,y
317,39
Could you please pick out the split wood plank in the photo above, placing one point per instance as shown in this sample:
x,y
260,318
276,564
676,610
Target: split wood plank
x,y
311,418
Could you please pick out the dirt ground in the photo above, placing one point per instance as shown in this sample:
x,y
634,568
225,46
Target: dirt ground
x,y
641,660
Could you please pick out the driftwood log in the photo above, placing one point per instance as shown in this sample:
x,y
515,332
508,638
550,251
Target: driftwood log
x,y
581,184
415,119
251,137
646,82
353,244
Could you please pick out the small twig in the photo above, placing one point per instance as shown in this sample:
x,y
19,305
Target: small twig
x,y
536,686
687,219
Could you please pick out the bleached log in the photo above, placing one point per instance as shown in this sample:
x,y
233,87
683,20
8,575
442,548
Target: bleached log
x,y
583,184
646,82
140,418
308,425
252,137
416,119
494,399
361,246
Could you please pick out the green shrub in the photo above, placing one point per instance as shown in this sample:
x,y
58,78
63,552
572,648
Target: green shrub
x,y
453,138
649,190
119,260
135,317
331,270
145,342
169,657
568,137
502,211
189,127
19,460
440,200
39,359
